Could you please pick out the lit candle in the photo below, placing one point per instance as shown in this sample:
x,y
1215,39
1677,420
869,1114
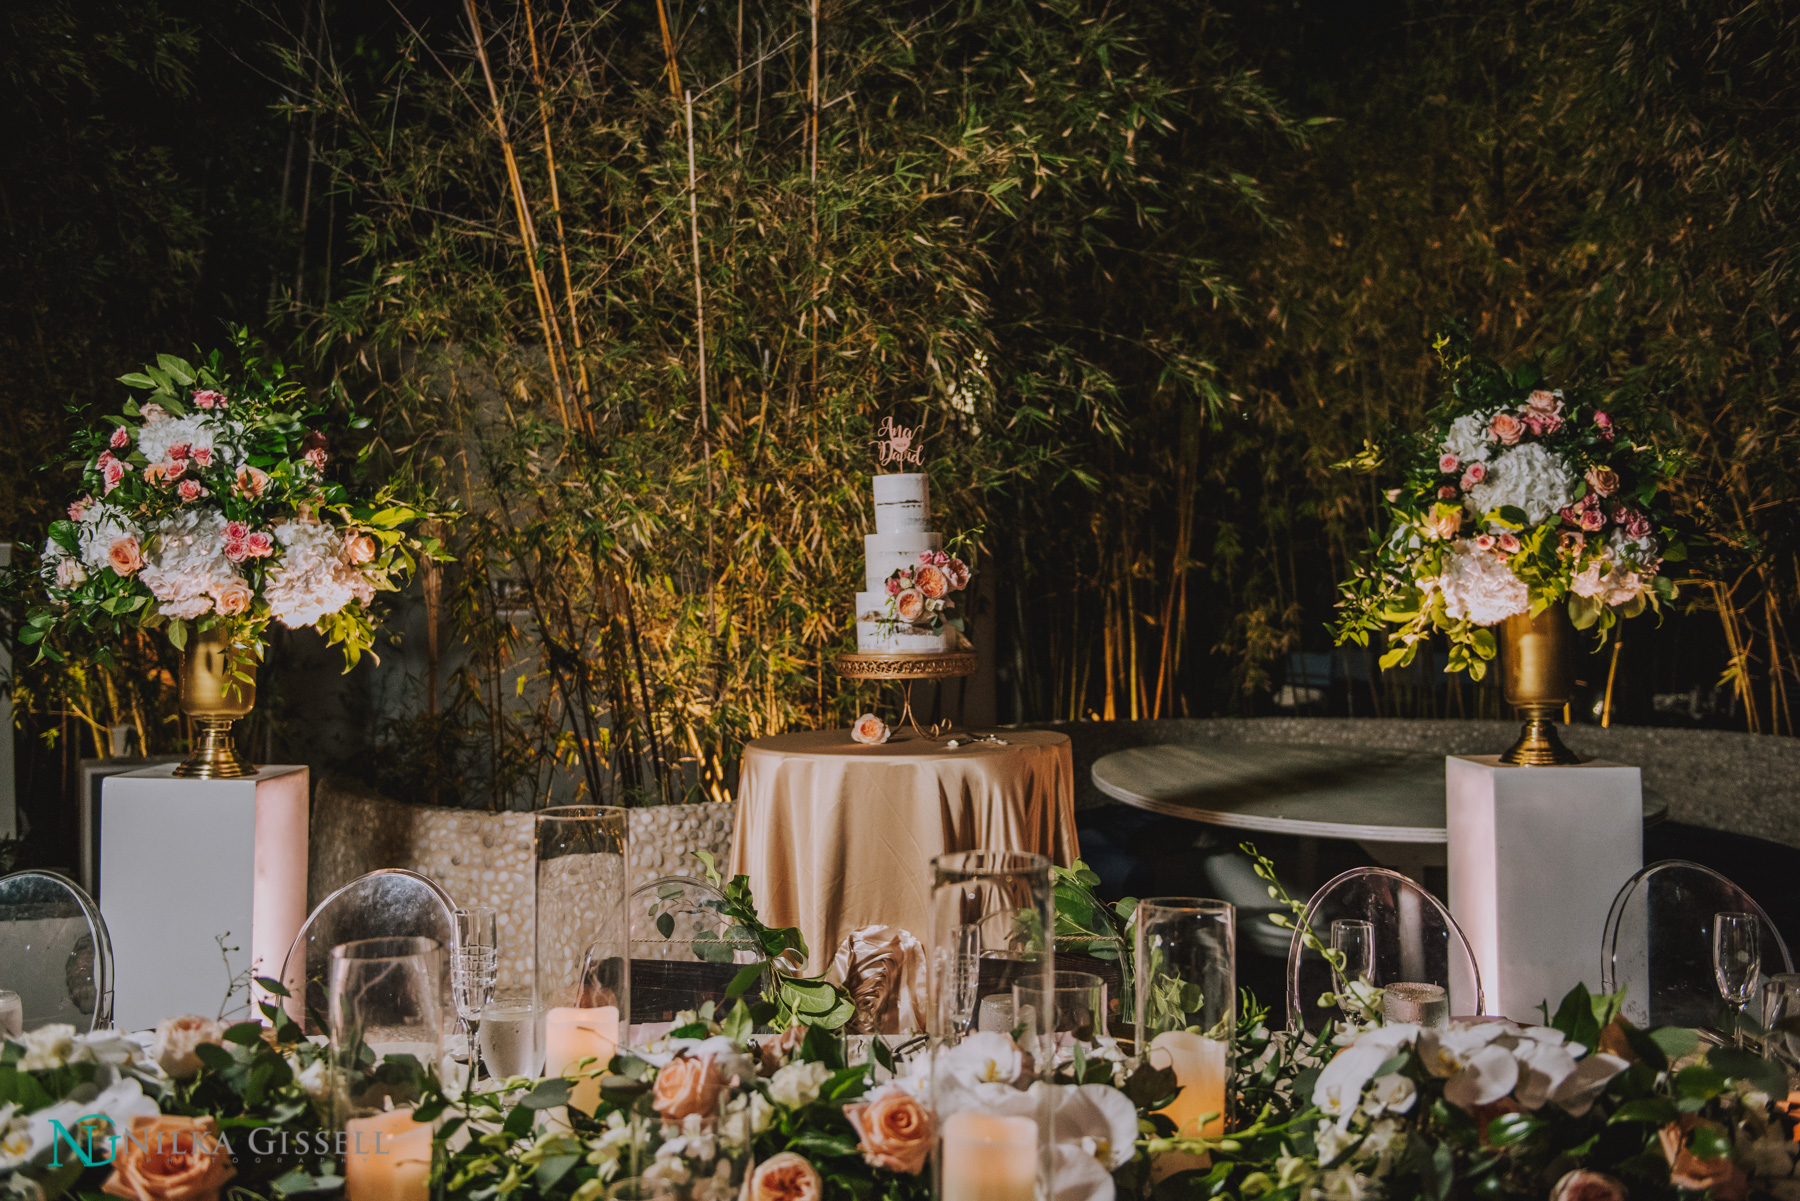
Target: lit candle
x,y
1427,1005
12,1014
1199,1065
572,1035
387,1157
990,1158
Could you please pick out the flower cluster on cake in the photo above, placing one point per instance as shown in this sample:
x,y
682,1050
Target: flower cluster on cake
x,y
914,585
213,496
1517,497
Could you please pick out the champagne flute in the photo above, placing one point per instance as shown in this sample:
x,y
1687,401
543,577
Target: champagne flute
x,y
1737,961
1355,941
474,967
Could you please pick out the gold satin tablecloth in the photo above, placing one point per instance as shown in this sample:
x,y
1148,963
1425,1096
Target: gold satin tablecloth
x,y
836,836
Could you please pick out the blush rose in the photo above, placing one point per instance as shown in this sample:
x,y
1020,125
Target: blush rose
x,y
171,1158
687,1085
894,1129
1507,428
125,556
785,1177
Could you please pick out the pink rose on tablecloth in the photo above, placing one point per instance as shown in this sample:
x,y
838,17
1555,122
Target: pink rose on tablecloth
x,y
125,555
251,481
784,1177
687,1085
233,598
933,582
1476,473
894,1129
909,604
1507,428
190,491
121,438
870,730
114,474
1603,480
1448,464
360,548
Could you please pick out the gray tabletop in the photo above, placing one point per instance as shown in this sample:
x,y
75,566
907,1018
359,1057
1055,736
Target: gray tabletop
x,y
1292,788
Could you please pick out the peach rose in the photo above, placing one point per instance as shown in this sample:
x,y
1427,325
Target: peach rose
x,y
910,604
125,555
176,1039
1583,1185
1721,1175
1507,428
785,1177
933,582
870,730
170,1158
687,1085
234,598
894,1129
251,481
1603,480
1444,522
1544,401
359,548
191,491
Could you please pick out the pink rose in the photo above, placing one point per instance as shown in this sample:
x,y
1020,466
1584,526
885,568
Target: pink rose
x,y
236,531
208,399
1446,492
315,444
1507,428
1603,480
1542,423
190,491
175,469
892,583
203,456
894,1129
940,558
181,450
1484,542
1444,522
115,474
910,604
1544,401
1583,1185
176,1039
170,1158
784,1177
933,582
121,438
360,548
251,481
125,555
1476,473
1509,544
1448,464
106,456
259,545
153,413
317,458
79,510
233,598
1591,519
1605,423
959,574
687,1086
70,573
870,730
1635,522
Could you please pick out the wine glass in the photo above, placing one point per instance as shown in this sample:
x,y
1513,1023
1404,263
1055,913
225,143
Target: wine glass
x,y
1355,941
1737,961
474,966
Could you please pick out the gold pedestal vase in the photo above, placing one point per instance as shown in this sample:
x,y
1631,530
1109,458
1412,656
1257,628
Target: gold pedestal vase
x,y
1537,677
214,697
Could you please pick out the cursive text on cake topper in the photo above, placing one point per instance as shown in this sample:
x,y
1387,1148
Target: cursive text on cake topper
x,y
896,444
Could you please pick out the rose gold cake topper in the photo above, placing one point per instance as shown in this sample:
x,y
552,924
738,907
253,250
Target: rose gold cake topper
x,y
896,444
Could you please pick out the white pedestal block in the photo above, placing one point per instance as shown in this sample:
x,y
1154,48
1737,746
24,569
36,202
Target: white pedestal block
x,y
1536,857
186,864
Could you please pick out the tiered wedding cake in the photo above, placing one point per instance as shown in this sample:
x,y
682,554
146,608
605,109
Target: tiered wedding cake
x,y
907,608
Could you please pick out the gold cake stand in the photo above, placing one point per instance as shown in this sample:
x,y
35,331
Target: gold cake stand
x,y
908,669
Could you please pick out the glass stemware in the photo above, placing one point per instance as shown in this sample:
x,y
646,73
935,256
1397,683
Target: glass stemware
x,y
1355,941
473,971
1737,961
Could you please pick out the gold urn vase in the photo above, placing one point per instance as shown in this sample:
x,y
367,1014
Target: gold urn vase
x,y
1537,677
215,693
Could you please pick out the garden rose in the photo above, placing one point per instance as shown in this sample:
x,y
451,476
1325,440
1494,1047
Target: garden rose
x,y
870,730
687,1085
114,474
170,1158
958,574
180,450
203,456
1474,475
1507,429
894,1130
251,481
933,582
1721,1175
1444,522
785,1177
1509,544
79,510
1446,492
1603,480
910,604
360,548
1544,401
190,491
125,556
259,545
1591,519
1447,464
207,399
1542,423
174,470
1583,1185
233,598
176,1039
121,438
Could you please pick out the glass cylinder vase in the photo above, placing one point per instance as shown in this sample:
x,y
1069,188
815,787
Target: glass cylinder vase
x,y
582,942
992,926
1186,966
384,999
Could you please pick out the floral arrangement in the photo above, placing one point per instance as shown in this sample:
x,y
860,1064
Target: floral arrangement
x,y
922,598
870,730
216,496
1516,498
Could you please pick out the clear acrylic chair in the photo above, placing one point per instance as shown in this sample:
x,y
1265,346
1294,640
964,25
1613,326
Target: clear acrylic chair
x,y
1658,944
388,903
1416,941
685,951
55,952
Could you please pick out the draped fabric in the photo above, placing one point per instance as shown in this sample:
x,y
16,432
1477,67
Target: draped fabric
x,y
836,836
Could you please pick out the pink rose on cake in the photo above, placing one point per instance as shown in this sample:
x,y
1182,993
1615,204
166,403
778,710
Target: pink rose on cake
x,y
870,730
910,604
933,582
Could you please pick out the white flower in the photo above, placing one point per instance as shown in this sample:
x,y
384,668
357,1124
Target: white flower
x,y
104,525
1392,1093
46,1047
1479,586
1345,1184
1480,1071
1387,1136
798,1084
744,1118
1582,1087
1099,1119
1468,439
1617,586
15,1137
1079,1176
693,1140
314,1080
311,580
1528,477
199,431
118,1104
984,1058
1340,1085
178,1040
186,564
1331,1141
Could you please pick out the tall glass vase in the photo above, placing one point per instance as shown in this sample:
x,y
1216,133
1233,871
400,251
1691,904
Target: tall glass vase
x,y
992,927
1186,966
582,998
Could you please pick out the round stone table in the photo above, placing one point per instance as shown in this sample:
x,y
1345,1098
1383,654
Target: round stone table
x,y
1389,802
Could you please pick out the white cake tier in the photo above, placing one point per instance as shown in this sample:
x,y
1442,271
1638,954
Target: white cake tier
x,y
884,554
902,504
878,637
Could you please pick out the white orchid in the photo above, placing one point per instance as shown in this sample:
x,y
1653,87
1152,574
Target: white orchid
x,y
1392,1093
1340,1085
1097,1118
984,1058
1331,1141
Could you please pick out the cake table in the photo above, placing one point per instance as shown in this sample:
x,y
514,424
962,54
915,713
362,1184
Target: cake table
x,y
836,836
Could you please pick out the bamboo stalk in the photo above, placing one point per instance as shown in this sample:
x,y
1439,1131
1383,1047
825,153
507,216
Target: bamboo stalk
x,y
1612,671
700,339
668,41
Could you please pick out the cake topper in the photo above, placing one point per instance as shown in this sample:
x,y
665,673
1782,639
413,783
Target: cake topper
x,y
896,444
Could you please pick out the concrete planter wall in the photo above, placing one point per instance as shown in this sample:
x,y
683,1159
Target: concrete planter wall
x,y
486,858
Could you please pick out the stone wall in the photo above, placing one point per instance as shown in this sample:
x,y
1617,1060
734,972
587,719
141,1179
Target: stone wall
x,y
1721,779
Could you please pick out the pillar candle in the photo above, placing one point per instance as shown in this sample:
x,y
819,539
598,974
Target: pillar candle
x,y
990,1158
572,1035
12,1014
387,1157
1199,1065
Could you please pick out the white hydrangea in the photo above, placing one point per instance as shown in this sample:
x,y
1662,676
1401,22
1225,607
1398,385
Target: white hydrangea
x,y
311,580
102,526
1468,439
1527,477
1642,554
1479,586
186,563
198,430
